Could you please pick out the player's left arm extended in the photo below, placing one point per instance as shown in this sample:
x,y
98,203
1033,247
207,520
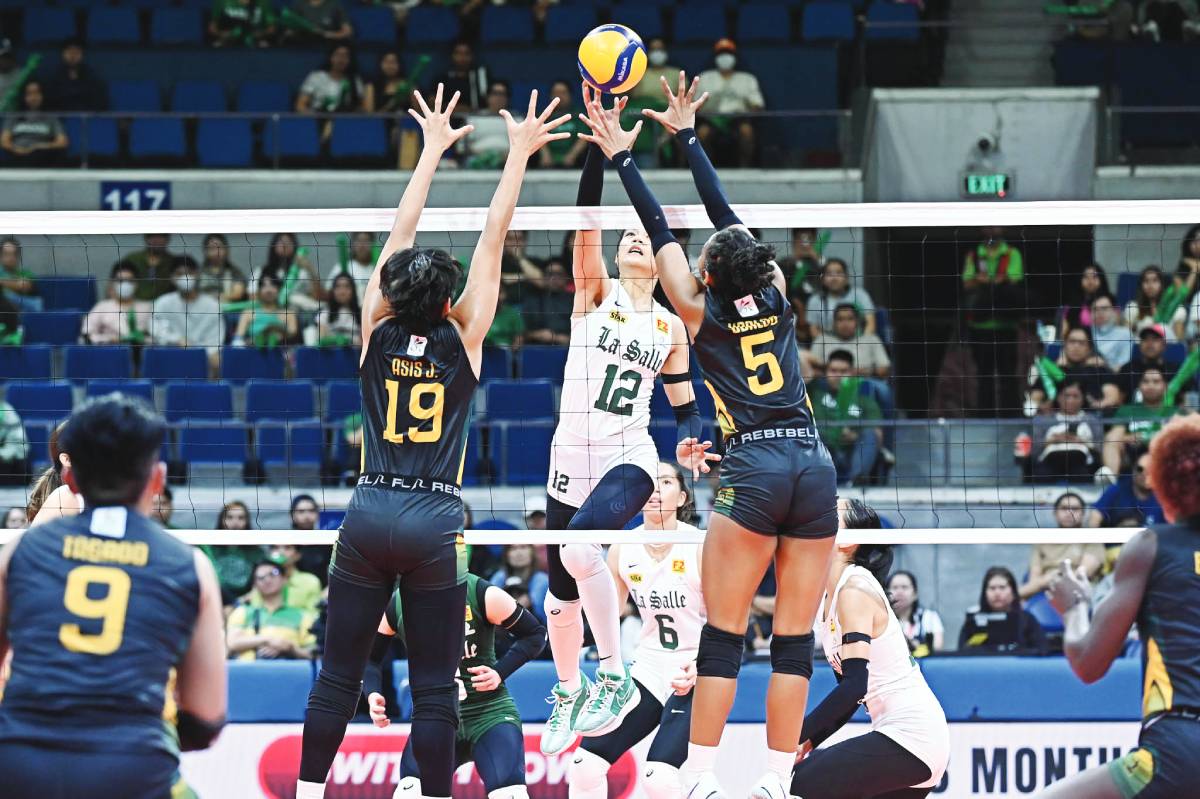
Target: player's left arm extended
x,y
1091,645
856,612
529,632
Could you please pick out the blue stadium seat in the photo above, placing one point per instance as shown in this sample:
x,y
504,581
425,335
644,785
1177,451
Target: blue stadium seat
x,y
431,25
157,138
46,401
239,364
52,327
201,442
91,361
306,443
1040,608
1127,287
270,443
522,89
544,363
644,18
825,20
496,364
132,388
373,25
224,143
701,24
284,401
28,362
264,96
67,293
206,402
892,21
526,448
520,399
200,96
161,364
506,25
135,95
764,22
171,26
1175,352
362,138
343,399
569,24
292,138
152,4
98,137
320,364
48,25
109,25
37,441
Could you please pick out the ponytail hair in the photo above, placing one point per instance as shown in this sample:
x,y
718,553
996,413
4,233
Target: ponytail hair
x,y
739,265
875,558
50,480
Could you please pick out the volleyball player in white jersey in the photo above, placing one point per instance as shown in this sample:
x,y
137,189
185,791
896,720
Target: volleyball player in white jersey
x,y
603,463
664,582
905,754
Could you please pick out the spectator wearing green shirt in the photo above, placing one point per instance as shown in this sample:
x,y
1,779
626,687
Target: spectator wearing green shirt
x,y
17,283
568,152
838,401
155,267
992,280
508,327
1135,423
269,627
244,23
234,564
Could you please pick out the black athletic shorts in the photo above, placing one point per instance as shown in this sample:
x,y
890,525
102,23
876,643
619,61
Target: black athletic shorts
x,y
1166,763
779,486
415,534
38,772
670,724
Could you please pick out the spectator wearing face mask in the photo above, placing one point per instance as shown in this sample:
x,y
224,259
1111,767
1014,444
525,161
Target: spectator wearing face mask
x,y
567,152
187,318
732,93
119,318
659,67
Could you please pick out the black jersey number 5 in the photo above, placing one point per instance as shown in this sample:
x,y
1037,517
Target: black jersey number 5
x,y
425,404
756,360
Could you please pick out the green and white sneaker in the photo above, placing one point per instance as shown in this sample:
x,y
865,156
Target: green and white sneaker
x,y
610,700
559,732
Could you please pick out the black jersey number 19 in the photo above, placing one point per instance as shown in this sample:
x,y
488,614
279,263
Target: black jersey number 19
x,y
754,361
618,400
420,409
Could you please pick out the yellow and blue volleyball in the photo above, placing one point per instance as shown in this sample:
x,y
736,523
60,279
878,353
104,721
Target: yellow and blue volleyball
x,y
612,59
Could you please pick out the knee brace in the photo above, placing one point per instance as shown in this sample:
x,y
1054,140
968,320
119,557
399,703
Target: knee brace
x,y
587,772
436,703
336,695
792,654
720,653
408,788
662,781
582,560
510,792
562,612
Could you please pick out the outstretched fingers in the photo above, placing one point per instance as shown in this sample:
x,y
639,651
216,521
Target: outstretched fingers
x,y
453,102
421,102
532,110
437,99
542,117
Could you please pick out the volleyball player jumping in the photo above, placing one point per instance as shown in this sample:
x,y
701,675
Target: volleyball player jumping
x,y
419,368
1157,585
778,488
603,463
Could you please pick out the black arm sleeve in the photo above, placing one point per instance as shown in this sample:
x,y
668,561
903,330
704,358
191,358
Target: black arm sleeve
x,y
531,640
195,733
591,179
647,207
838,707
687,421
707,183
373,676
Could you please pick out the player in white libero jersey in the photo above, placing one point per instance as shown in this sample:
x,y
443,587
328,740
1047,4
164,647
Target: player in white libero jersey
x,y
603,463
904,755
663,581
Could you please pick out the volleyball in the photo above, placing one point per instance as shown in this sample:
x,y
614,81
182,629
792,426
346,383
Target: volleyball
x,y
612,59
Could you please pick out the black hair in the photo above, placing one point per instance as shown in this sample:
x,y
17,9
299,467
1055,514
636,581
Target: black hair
x,y
1192,234
9,240
166,493
999,571
114,442
122,266
912,578
875,558
416,283
840,355
1069,383
1086,331
845,271
1146,306
351,305
1069,495
296,500
1104,287
72,41
41,88
687,511
738,264
225,510
849,306
184,262
278,265
1104,294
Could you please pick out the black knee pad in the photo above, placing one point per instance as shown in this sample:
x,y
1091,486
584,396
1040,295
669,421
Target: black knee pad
x,y
720,653
436,703
792,654
334,694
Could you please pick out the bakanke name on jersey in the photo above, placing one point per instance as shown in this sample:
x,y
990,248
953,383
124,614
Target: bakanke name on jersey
x,y
651,358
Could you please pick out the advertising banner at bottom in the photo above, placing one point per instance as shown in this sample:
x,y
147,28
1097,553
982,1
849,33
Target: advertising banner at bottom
x,y
260,761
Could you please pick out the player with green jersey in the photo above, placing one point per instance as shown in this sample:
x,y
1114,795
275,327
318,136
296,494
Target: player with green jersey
x,y
489,730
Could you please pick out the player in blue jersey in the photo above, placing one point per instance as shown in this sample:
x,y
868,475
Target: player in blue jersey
x,y
104,612
1157,585
419,368
778,487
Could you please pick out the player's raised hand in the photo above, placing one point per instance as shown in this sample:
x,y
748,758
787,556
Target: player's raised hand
x,y
435,122
605,125
682,104
1068,588
535,130
692,453
378,707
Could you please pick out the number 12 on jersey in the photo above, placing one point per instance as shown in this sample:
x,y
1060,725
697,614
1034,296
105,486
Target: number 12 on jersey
x,y
425,404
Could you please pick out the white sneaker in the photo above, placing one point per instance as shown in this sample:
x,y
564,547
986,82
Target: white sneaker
x,y
769,786
705,787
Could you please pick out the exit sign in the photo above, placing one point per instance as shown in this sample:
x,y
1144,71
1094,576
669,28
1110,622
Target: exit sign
x,y
987,185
